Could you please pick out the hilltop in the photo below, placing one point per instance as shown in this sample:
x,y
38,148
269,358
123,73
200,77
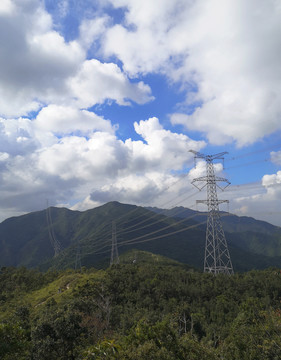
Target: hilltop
x,y
153,309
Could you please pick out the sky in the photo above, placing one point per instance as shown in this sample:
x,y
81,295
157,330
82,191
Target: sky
x,y
102,100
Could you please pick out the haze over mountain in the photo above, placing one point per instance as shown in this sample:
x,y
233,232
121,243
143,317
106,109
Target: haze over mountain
x,y
178,234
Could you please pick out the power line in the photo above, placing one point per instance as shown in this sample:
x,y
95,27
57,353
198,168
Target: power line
x,y
162,191
178,180
54,241
155,214
137,208
137,241
106,243
267,148
134,240
101,243
217,258
114,259
248,163
135,227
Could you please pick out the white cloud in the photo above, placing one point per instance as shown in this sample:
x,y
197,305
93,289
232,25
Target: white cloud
x,y
259,200
17,136
67,167
66,152
225,55
270,181
136,189
162,148
69,120
91,30
227,52
276,157
39,67
104,157
34,60
63,7
6,7
97,82
143,43
94,159
85,204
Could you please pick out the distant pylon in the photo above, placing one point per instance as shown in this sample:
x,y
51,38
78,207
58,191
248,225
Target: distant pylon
x,y
54,241
78,265
114,249
217,257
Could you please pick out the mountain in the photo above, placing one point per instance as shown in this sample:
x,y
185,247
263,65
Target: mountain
x,y
247,233
231,223
178,234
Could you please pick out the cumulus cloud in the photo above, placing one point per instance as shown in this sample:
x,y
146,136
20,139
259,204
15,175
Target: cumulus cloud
x,y
135,189
99,157
25,187
63,150
61,120
68,166
91,29
259,200
143,43
95,82
34,59
103,156
226,55
6,7
38,66
162,148
17,136
269,181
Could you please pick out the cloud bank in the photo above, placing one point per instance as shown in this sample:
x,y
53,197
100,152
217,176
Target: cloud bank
x,y
226,54
223,56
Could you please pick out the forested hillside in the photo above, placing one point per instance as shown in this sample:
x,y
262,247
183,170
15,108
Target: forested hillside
x,y
25,240
244,232
139,311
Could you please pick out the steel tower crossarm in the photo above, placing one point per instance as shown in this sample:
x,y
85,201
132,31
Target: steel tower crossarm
x,y
217,257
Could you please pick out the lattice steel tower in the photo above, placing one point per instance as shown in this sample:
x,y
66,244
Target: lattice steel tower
x,y
114,249
78,265
54,241
217,258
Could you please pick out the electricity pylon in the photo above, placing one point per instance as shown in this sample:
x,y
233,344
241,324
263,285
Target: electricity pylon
x,y
54,241
114,249
78,265
217,257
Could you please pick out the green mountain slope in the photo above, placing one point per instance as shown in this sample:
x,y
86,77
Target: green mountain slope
x,y
249,234
24,240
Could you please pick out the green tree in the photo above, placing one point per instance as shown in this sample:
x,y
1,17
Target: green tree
x,y
14,342
57,337
254,335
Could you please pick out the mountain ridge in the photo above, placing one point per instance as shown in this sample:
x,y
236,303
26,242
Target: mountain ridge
x,y
24,240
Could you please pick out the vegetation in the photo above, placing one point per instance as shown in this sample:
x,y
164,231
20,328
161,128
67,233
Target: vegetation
x,y
24,240
141,310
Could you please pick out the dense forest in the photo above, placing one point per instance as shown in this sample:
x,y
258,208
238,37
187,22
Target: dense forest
x,y
141,310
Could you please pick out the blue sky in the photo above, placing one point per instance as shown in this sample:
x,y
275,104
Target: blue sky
x,y
102,100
